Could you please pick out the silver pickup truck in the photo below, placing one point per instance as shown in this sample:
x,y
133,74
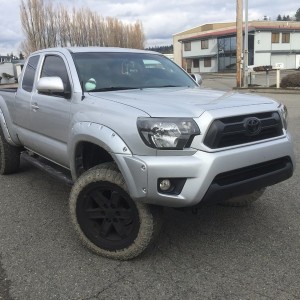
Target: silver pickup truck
x,y
136,133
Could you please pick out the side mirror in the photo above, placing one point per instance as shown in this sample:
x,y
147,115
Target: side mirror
x,y
50,85
197,78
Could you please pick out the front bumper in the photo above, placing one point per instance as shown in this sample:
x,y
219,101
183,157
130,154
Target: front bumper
x,y
203,170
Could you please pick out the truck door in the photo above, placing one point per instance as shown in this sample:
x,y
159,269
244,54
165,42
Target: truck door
x,y
50,113
23,100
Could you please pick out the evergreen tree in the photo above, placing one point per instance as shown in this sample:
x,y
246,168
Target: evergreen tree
x,y
161,49
297,15
279,18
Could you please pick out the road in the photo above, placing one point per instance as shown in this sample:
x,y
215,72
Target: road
x,y
221,253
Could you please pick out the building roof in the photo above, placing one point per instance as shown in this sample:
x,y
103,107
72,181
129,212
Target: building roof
x,y
5,58
206,27
230,29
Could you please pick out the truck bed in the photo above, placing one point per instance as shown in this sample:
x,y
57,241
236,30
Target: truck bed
x,y
9,89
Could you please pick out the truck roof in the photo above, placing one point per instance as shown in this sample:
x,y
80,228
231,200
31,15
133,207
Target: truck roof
x,y
93,49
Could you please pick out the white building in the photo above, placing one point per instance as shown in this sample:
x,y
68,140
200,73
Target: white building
x,y
212,47
10,66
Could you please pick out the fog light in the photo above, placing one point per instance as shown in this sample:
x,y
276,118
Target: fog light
x,y
165,184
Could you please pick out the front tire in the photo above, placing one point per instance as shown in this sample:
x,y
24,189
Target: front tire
x,y
105,217
244,200
9,156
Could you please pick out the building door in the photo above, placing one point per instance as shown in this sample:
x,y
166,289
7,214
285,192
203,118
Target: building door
x,y
298,61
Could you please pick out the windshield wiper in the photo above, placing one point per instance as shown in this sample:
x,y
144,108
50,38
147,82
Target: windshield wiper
x,y
121,88
162,86
113,88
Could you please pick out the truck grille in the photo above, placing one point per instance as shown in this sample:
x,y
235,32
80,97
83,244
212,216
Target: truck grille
x,y
231,131
239,175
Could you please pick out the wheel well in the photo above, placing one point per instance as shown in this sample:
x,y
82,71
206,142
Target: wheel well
x,y
88,155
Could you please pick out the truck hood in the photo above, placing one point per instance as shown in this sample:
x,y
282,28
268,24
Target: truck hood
x,y
180,102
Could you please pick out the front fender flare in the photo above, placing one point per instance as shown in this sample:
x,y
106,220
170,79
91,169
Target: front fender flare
x,y
97,134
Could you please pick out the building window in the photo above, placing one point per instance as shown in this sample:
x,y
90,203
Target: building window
x,y
275,38
285,37
196,63
204,44
207,62
187,46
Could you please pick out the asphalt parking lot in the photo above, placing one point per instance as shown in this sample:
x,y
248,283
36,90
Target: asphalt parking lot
x,y
221,253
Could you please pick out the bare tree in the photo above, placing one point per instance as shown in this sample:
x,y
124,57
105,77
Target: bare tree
x,y
46,26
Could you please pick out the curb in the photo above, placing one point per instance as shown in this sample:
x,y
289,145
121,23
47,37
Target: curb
x,y
269,90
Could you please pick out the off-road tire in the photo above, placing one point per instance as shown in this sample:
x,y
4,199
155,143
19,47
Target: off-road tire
x,y
244,200
9,156
144,221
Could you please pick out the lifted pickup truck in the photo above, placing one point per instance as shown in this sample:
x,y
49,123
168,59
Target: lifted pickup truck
x,y
137,133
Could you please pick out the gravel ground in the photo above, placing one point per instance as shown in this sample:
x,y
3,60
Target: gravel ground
x,y
221,253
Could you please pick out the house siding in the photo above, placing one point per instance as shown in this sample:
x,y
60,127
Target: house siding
x,y
9,69
264,52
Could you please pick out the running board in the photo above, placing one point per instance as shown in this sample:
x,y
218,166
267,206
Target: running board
x,y
42,165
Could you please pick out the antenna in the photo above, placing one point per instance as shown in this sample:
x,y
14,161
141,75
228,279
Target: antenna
x,y
82,95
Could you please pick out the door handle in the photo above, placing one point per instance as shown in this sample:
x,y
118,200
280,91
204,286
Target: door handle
x,y
34,106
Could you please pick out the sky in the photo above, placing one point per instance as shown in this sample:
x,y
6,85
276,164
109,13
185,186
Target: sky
x,y
160,19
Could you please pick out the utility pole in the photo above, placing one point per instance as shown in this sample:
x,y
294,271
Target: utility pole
x,y
245,65
239,41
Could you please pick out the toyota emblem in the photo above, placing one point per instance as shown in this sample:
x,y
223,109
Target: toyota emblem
x,y
252,126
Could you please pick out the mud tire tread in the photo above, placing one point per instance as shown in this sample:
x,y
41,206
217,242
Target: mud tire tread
x,y
244,200
150,216
9,156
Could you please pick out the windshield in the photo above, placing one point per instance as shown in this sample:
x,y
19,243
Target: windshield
x,y
100,72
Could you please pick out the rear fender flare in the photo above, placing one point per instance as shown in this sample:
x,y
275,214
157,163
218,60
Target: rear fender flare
x,y
9,135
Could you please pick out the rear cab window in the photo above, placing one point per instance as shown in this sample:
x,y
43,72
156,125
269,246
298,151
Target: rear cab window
x,y
29,74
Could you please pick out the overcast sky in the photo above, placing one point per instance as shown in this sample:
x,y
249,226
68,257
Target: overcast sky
x,y
160,18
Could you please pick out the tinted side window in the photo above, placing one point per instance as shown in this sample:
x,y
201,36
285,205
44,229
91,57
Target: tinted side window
x,y
55,66
28,78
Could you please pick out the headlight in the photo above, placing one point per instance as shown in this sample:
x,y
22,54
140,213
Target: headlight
x,y
284,114
167,133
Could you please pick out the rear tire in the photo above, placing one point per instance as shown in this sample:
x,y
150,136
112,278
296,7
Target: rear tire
x,y
9,156
105,217
244,200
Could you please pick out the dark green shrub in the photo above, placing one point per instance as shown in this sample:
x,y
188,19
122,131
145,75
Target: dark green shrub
x,y
7,76
291,80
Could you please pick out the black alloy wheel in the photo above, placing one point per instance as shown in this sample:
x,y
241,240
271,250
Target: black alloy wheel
x,y
107,216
